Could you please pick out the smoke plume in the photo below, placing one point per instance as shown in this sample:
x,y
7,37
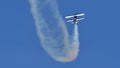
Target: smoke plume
x,y
52,31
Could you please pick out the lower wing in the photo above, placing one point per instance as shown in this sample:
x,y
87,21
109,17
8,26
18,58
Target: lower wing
x,y
70,21
80,19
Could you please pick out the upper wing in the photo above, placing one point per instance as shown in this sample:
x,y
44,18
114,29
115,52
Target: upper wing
x,y
70,21
69,16
82,14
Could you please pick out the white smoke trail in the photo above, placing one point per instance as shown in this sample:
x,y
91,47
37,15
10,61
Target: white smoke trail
x,y
52,31
72,53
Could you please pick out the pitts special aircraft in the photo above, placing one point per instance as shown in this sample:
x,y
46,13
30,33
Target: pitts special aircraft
x,y
75,18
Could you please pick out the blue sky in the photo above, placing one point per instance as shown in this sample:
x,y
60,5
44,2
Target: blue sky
x,y
99,35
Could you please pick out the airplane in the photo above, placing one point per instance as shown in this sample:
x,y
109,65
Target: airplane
x,y
75,18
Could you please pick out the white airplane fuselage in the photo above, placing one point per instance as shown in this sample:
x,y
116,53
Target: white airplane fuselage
x,y
75,21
